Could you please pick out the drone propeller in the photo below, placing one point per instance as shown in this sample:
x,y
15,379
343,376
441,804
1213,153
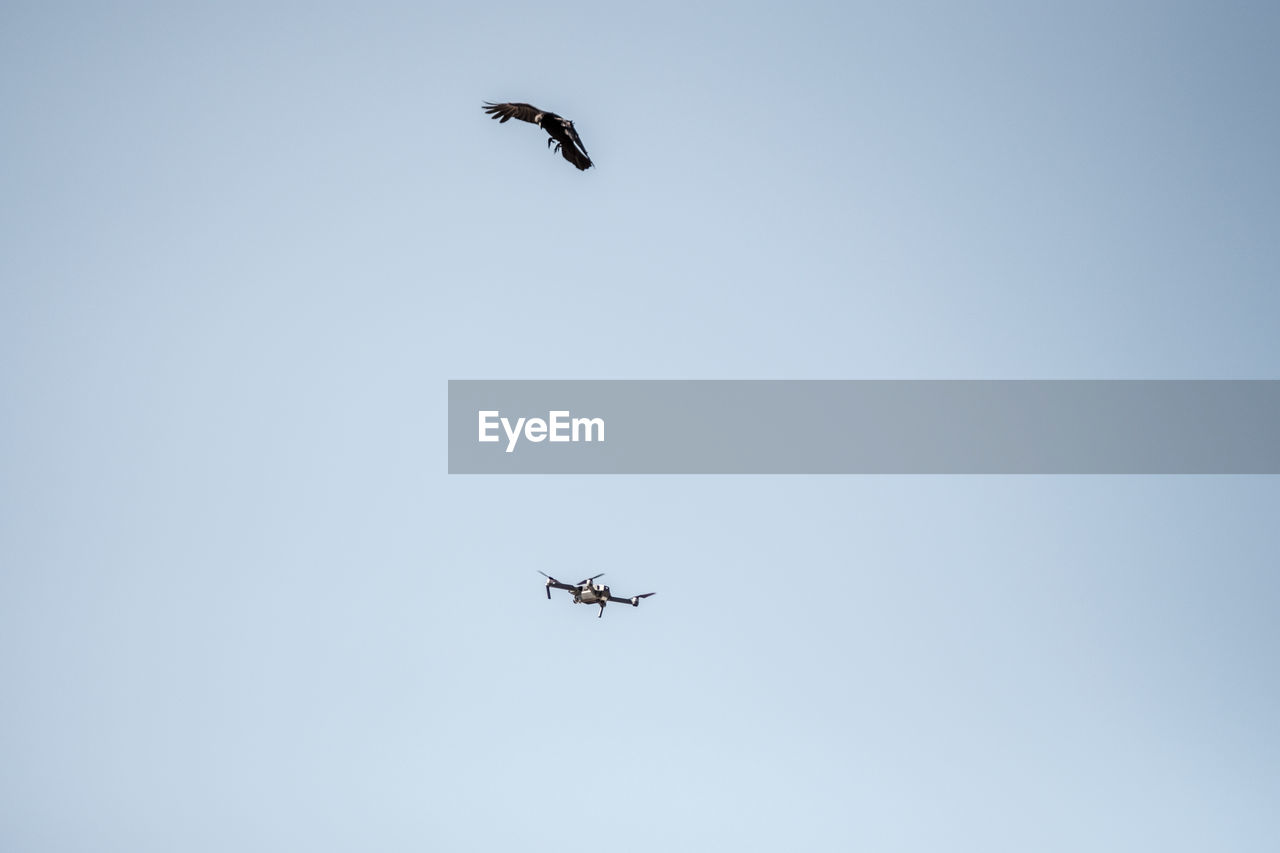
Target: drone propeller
x,y
550,581
590,579
635,599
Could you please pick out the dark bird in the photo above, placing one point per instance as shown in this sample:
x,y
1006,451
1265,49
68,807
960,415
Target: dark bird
x,y
561,129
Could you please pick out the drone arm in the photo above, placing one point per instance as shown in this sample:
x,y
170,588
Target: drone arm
x,y
552,583
634,601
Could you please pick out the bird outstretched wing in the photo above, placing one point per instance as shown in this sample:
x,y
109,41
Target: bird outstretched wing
x,y
506,112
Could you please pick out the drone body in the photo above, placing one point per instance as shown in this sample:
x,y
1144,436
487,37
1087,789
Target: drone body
x,y
589,592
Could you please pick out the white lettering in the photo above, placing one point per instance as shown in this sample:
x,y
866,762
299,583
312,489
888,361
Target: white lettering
x,y
513,435
486,425
559,423
598,423
558,427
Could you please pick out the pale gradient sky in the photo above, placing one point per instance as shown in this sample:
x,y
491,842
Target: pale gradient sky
x,y
244,246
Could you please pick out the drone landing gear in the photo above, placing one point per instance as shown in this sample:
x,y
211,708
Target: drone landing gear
x,y
601,613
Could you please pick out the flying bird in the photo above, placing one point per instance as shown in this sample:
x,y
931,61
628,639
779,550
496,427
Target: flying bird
x,y
567,141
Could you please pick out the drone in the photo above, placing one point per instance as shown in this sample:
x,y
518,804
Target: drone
x,y
588,592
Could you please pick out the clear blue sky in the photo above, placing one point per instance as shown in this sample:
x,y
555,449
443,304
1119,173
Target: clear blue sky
x,y
243,247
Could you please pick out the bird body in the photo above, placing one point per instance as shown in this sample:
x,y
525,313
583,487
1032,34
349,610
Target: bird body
x,y
560,129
